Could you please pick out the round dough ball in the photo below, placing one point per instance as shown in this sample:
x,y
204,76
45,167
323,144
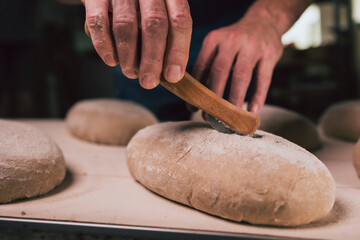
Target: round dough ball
x,y
260,179
107,121
356,157
342,120
31,163
287,124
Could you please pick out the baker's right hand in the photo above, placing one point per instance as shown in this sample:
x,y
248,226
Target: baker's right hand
x,y
146,37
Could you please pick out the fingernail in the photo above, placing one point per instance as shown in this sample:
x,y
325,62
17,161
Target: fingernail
x,y
132,74
149,81
174,73
254,108
109,59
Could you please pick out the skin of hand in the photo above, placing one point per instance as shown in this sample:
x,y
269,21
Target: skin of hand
x,y
146,37
251,46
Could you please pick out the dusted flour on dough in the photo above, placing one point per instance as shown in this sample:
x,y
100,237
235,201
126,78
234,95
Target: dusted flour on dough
x,y
285,123
266,180
107,121
31,163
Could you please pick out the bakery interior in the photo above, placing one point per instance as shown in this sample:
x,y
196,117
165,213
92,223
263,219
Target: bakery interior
x,y
48,63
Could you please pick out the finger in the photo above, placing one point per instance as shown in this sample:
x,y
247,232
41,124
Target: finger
x,y
241,77
201,70
98,25
203,63
154,29
125,30
220,70
262,83
205,58
178,42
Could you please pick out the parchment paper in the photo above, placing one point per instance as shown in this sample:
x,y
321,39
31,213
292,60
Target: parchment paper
x,y
99,189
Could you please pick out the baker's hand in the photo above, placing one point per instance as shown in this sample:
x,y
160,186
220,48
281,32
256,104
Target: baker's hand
x,y
250,47
146,37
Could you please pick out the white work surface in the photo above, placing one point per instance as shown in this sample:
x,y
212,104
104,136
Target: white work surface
x,y
99,189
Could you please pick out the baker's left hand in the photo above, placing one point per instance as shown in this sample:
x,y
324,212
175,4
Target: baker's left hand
x,y
249,47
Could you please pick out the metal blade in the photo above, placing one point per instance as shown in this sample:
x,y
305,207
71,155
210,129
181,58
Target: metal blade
x,y
221,127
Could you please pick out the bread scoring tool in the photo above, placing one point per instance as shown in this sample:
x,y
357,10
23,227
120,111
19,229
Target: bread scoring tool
x,y
223,116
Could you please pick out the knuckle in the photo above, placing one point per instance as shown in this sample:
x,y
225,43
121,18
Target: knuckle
x,y
130,72
152,63
253,43
242,74
179,53
233,36
123,45
96,22
273,52
199,67
211,37
181,20
218,69
99,43
124,22
155,23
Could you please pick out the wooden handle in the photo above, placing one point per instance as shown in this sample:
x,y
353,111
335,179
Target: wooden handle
x,y
193,92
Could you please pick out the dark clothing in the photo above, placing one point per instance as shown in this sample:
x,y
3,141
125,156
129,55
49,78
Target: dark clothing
x,y
207,16
17,18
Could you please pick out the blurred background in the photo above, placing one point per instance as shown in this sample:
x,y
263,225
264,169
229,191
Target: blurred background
x,y
47,63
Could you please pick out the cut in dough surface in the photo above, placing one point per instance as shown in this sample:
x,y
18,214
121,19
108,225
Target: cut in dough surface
x,y
287,124
107,121
260,180
342,120
31,163
356,157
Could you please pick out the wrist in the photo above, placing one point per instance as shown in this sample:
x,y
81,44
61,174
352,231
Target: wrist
x,y
281,14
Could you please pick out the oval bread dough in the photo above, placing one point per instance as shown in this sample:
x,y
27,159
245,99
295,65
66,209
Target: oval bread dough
x,y
31,163
261,180
356,157
287,124
107,121
342,120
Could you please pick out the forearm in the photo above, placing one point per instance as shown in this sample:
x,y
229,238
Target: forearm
x,y
282,14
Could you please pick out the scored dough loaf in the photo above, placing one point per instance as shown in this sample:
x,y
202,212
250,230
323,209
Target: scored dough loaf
x,y
107,121
287,124
263,179
31,163
342,120
356,157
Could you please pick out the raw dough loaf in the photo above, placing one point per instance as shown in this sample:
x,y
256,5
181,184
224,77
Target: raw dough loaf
x,y
261,180
31,163
342,120
107,121
287,124
356,157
